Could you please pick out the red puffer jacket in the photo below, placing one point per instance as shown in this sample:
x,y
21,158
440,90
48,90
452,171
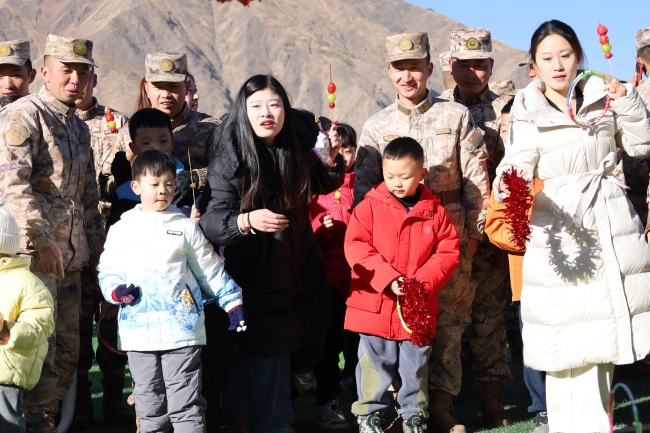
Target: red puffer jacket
x,y
383,242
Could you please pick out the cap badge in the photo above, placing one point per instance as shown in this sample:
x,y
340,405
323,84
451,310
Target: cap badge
x,y
5,50
472,44
405,44
166,65
79,48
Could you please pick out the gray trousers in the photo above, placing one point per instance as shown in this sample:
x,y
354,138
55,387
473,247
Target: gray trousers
x,y
12,419
380,360
167,390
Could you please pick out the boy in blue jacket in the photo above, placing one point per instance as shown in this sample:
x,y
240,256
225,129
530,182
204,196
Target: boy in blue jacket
x,y
156,264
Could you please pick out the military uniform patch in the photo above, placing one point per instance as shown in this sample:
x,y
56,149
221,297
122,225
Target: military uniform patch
x,y
405,44
166,65
5,50
79,48
441,131
472,44
16,134
475,138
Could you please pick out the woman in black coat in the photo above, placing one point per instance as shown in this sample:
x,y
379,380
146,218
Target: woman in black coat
x,y
261,176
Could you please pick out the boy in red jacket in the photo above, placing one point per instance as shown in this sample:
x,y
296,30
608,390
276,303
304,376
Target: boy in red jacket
x,y
398,231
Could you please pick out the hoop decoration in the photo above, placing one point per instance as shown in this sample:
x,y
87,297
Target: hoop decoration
x,y
106,344
575,118
638,427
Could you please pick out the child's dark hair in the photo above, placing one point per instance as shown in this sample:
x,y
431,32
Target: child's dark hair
x,y
404,147
149,118
348,135
153,162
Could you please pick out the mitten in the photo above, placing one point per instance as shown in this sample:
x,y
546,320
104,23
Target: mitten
x,y
126,294
121,168
237,319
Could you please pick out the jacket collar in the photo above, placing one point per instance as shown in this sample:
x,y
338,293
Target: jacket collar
x,y
15,262
474,100
64,109
422,107
182,117
171,213
423,208
91,113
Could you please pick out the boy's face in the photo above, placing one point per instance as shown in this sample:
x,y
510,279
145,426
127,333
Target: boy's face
x,y
152,138
409,77
402,176
168,97
156,192
348,154
15,80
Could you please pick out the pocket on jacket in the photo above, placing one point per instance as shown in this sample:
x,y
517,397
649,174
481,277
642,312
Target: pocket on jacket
x,y
365,300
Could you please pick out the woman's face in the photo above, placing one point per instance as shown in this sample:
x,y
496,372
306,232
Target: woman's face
x,y
265,112
556,63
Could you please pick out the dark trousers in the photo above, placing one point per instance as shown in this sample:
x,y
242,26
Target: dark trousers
x,y
327,373
535,381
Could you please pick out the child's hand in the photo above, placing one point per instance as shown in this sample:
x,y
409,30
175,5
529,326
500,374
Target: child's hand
x,y
237,319
394,286
328,221
195,215
126,294
335,142
4,331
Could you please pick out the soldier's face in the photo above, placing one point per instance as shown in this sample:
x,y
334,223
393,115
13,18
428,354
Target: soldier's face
x,y
65,81
409,77
156,192
192,97
402,176
15,80
471,76
556,63
168,97
265,111
86,100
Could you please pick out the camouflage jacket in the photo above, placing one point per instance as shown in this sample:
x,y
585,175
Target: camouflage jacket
x,y
193,130
644,91
454,155
47,178
486,113
102,141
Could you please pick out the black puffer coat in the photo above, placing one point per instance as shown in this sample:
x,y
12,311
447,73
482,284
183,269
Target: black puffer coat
x,y
282,275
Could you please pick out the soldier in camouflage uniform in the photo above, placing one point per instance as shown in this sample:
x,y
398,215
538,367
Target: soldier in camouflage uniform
x,y
102,140
471,67
16,72
455,157
47,179
447,79
643,57
166,86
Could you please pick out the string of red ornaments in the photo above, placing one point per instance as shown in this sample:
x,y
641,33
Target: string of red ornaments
x,y
413,311
517,204
244,2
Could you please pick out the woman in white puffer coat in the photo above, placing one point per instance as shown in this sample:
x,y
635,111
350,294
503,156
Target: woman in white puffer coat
x,y
585,301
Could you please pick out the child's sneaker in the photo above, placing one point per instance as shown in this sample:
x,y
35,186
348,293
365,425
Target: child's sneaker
x,y
414,424
369,423
330,416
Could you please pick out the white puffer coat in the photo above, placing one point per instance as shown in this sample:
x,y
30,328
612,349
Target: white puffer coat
x,y
586,272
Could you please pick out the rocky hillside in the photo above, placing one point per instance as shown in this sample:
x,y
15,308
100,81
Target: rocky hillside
x,y
296,40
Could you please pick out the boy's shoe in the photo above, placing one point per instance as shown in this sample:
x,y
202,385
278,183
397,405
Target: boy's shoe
x,y
369,423
540,423
414,424
330,416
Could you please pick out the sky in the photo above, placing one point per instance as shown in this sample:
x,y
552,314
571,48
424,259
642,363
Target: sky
x,y
514,22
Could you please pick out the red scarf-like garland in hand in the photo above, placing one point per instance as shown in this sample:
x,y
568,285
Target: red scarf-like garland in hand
x,y
413,310
517,203
244,2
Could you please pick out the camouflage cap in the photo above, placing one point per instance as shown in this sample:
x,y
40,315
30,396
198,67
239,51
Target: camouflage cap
x,y
69,50
14,52
469,44
444,61
165,67
407,46
642,38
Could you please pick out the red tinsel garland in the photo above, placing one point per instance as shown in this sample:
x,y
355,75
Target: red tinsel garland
x,y
517,203
413,309
244,2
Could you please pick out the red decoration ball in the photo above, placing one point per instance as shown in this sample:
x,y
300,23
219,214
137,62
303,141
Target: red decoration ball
x,y
109,117
113,130
331,87
608,55
602,30
604,39
332,105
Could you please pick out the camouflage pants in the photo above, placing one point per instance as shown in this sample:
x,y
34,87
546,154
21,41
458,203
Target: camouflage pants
x,y
41,403
454,304
487,335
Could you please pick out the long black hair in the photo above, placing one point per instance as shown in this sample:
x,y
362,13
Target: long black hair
x,y
556,27
275,177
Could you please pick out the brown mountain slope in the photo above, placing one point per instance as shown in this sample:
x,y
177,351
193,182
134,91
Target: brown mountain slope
x,y
296,40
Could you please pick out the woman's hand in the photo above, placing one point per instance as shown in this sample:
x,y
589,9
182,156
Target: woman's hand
x,y
328,221
335,142
615,89
266,221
